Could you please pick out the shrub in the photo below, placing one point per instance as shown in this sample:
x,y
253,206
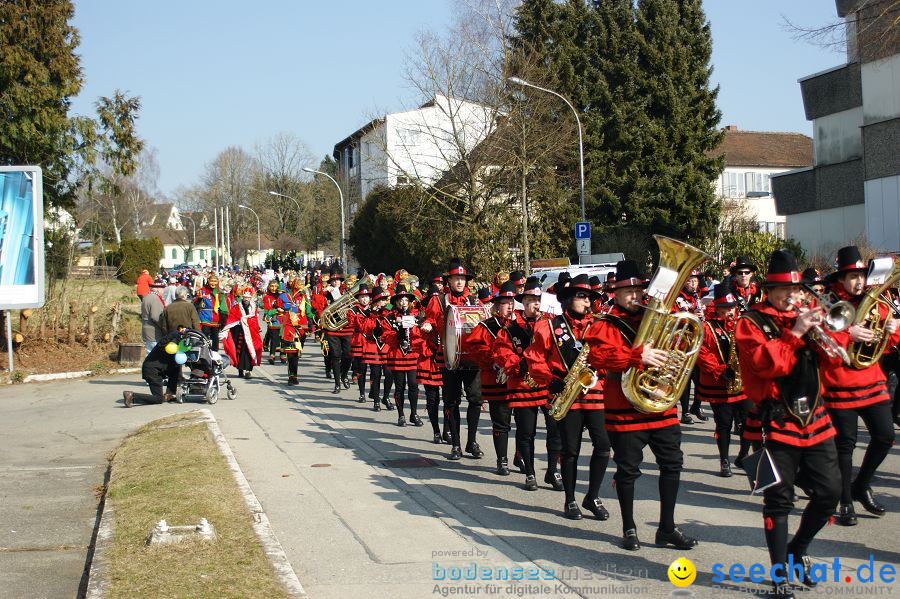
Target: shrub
x,y
138,255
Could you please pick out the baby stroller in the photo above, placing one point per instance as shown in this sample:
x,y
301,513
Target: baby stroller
x,y
207,370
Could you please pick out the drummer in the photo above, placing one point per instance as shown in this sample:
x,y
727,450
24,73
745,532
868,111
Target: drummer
x,y
466,377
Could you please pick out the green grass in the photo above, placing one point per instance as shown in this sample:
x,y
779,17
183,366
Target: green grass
x,y
171,469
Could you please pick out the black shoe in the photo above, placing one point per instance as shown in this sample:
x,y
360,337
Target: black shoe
x,y
474,450
328,374
455,453
530,483
804,561
571,511
376,407
867,499
128,398
676,538
271,361
595,506
415,420
630,541
518,462
782,590
362,399
387,404
240,374
554,479
401,420
336,390
846,515
686,419
725,469
437,439
447,438
696,411
292,380
502,467
346,382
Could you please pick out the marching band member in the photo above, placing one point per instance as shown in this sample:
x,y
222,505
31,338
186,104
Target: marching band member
x,y
688,300
779,368
272,340
851,394
525,400
717,360
610,339
289,317
556,344
356,316
338,341
743,287
428,372
454,381
319,303
493,386
402,339
305,314
372,349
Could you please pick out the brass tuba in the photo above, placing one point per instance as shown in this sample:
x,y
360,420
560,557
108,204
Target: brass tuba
x,y
334,316
579,379
868,315
733,387
654,390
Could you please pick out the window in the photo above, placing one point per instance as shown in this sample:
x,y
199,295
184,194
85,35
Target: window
x,y
758,182
202,254
402,180
174,253
349,152
212,253
733,185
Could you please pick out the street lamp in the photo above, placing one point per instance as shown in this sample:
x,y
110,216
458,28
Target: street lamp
x,y
258,242
524,83
341,194
299,210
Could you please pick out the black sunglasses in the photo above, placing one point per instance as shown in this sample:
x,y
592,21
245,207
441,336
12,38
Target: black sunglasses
x,y
743,272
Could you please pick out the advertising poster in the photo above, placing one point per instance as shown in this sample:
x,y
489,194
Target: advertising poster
x,y
21,237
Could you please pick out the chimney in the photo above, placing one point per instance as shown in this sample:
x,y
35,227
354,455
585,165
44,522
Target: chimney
x,y
731,128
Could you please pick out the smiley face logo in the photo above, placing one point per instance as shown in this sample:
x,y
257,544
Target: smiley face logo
x,y
682,572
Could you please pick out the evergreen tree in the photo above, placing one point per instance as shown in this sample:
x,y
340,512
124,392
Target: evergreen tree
x,y
39,74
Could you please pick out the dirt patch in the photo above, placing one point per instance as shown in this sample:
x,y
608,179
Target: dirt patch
x,y
42,357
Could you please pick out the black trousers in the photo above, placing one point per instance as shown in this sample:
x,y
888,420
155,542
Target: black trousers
x,y
877,418
526,430
821,479
454,382
339,351
686,396
405,383
628,453
212,332
432,406
292,359
501,424
376,370
570,432
553,438
359,369
890,364
156,372
272,341
725,416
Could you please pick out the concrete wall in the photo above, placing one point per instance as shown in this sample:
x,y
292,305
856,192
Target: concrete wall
x,y
881,85
837,138
883,213
824,231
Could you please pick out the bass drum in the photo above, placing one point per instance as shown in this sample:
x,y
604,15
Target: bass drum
x,y
459,322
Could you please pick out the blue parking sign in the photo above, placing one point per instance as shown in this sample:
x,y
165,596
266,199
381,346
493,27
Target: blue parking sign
x,y
582,230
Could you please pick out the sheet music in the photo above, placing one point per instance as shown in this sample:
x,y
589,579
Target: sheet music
x,y
662,282
879,269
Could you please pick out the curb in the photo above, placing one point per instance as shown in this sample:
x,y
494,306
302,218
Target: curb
x,y
271,545
53,376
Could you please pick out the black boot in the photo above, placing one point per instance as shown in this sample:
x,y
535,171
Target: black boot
x,y
725,469
387,403
502,467
473,449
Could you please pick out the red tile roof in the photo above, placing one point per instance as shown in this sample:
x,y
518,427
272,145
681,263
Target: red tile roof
x,y
762,148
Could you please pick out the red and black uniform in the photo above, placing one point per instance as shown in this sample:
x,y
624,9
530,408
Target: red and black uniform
x,y
780,373
747,296
356,316
689,302
428,373
455,381
481,348
319,303
402,357
272,340
554,347
712,386
509,354
851,394
338,344
374,354
611,339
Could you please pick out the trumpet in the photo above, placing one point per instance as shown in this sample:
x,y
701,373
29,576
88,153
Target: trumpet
x,y
835,316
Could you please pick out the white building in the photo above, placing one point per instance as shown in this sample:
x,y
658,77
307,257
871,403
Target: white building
x,y
853,190
751,158
415,145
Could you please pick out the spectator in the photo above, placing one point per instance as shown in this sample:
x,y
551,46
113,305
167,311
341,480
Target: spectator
x,y
143,283
169,291
180,313
152,306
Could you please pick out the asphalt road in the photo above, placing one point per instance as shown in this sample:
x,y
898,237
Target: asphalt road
x,y
365,508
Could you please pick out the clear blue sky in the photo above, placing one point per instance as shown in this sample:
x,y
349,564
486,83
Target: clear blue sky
x,y
213,74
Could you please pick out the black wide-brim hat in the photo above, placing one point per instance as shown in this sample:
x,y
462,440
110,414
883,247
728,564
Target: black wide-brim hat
x,y
782,270
627,275
532,289
363,290
402,291
561,282
811,276
722,296
380,294
849,259
507,290
582,283
743,262
517,277
484,295
456,268
336,275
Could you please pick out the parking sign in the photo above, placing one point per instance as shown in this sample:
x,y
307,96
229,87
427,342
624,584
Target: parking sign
x,y
582,230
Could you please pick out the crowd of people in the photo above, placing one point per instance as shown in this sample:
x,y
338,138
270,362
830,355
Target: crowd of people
x,y
776,366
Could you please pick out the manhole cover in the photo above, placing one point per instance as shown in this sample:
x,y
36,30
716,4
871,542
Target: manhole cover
x,y
409,463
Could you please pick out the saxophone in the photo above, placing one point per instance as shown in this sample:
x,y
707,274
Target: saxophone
x,y
868,315
654,390
579,379
733,387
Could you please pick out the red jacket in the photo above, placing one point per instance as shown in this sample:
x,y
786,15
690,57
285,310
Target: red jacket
x,y
347,331
763,360
434,315
845,386
509,353
355,317
428,371
712,360
612,352
374,349
393,354
480,344
545,362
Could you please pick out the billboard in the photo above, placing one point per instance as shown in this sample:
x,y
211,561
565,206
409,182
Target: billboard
x,y
21,237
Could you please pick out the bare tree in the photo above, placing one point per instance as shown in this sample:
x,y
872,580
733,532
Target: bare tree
x,y
869,30
281,162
